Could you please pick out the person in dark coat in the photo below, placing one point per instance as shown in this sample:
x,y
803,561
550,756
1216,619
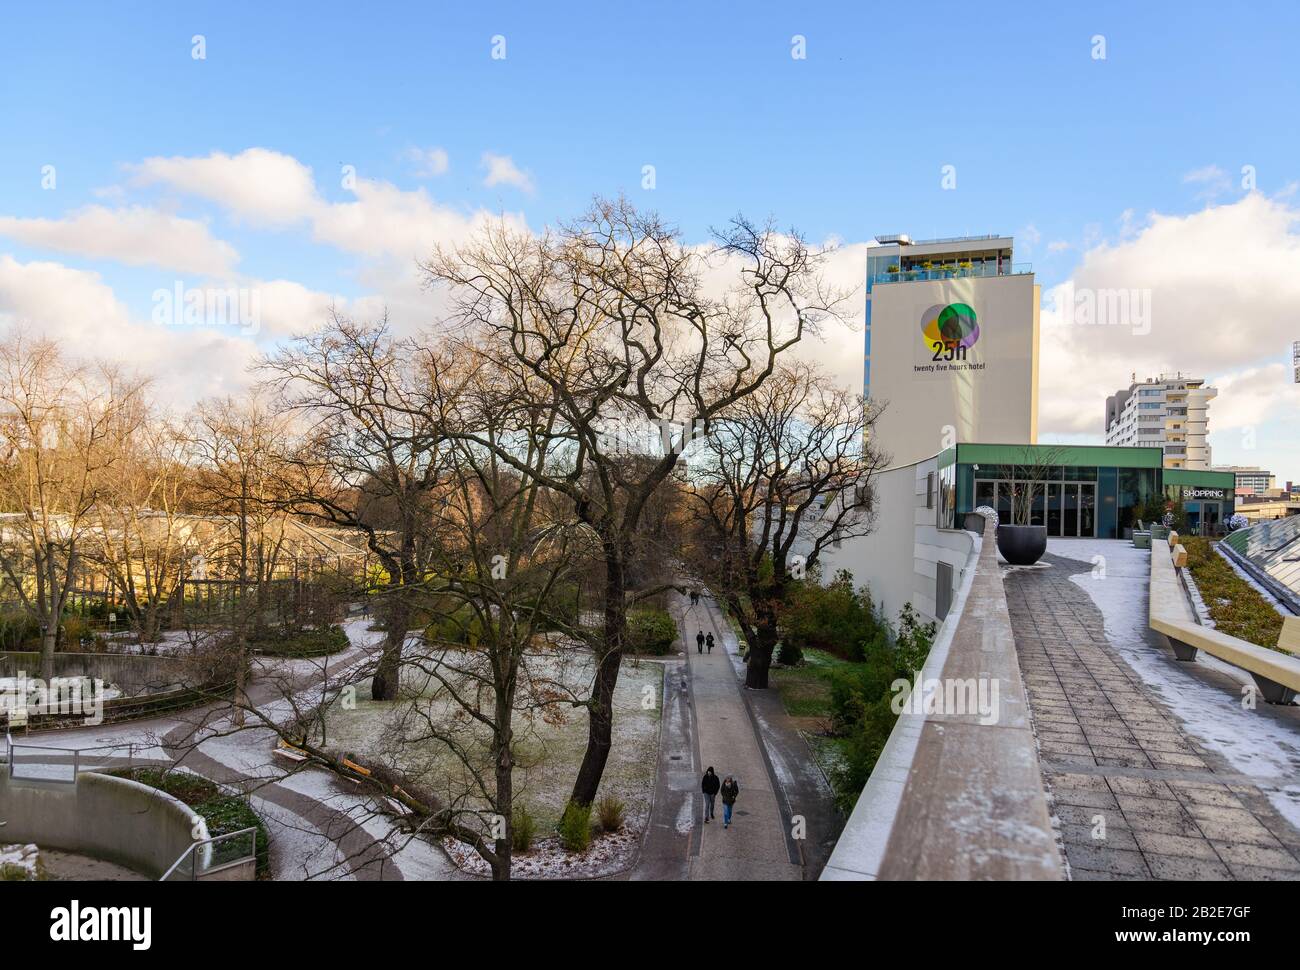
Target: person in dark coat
x,y
709,785
729,792
708,642
695,597
699,641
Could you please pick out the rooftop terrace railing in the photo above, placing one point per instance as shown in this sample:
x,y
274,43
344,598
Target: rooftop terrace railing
x,y
922,275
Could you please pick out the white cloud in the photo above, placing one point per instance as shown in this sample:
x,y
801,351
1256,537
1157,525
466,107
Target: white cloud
x,y
264,187
428,162
501,170
271,189
136,236
80,311
1212,181
1057,246
1223,283
1208,174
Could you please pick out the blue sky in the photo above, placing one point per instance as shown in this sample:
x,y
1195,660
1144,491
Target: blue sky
x,y
1066,151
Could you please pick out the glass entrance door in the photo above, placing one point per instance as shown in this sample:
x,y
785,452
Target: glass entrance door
x,y
1087,510
1070,510
1054,508
1004,502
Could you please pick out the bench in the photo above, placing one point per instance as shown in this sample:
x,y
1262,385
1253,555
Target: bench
x,y
1289,638
1276,674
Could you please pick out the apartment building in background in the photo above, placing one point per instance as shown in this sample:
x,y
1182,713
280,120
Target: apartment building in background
x,y
1169,411
1251,480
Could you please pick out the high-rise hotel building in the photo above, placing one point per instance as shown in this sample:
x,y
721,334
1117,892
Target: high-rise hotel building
x,y
951,344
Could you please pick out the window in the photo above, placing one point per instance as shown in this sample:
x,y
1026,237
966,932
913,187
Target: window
x,y
929,490
942,589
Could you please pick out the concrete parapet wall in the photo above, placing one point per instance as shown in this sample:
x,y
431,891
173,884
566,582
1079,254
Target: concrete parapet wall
x,y
959,795
133,673
101,816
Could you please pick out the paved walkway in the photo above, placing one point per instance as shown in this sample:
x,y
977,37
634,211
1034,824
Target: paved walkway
x,y
1153,767
755,846
319,828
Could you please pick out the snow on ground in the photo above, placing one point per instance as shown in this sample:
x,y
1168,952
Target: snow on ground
x,y
85,689
547,859
1198,601
1264,747
22,858
548,749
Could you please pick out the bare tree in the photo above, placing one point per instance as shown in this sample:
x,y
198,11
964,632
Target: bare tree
x,y
368,456
1033,470
234,445
783,474
62,426
610,327
143,535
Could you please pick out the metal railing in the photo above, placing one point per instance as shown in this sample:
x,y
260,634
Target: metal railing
x,y
38,762
207,858
950,273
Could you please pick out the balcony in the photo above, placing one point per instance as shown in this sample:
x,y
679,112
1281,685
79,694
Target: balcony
x,y
949,273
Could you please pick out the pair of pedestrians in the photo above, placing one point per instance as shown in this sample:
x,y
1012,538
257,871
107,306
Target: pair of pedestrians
x,y
701,641
712,788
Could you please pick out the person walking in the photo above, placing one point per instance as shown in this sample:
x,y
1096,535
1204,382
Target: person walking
x,y
729,792
709,785
708,642
699,641
695,597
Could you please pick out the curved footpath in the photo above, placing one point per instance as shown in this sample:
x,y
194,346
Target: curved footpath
x,y
319,829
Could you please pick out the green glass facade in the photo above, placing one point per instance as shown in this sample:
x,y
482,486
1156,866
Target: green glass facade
x,y
1088,491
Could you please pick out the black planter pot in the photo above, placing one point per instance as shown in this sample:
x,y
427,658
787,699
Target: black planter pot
x,y
1022,545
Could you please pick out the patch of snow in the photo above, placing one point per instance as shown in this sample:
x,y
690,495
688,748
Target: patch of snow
x,y
1265,748
609,853
24,857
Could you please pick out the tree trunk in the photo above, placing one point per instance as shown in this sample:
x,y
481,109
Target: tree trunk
x,y
505,805
49,639
600,717
241,684
384,684
761,649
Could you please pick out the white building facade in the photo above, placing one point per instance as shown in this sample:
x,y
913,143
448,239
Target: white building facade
x,y
1169,412
951,344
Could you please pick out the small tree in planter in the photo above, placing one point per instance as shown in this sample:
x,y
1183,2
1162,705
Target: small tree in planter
x,y
1020,541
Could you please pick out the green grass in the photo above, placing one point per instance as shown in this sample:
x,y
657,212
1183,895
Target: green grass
x,y
806,690
1236,607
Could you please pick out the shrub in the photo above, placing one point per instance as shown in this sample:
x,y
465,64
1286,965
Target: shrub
x,y
835,618
522,829
854,688
18,629
611,812
305,643
913,641
866,739
789,654
460,626
1236,606
575,827
651,631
